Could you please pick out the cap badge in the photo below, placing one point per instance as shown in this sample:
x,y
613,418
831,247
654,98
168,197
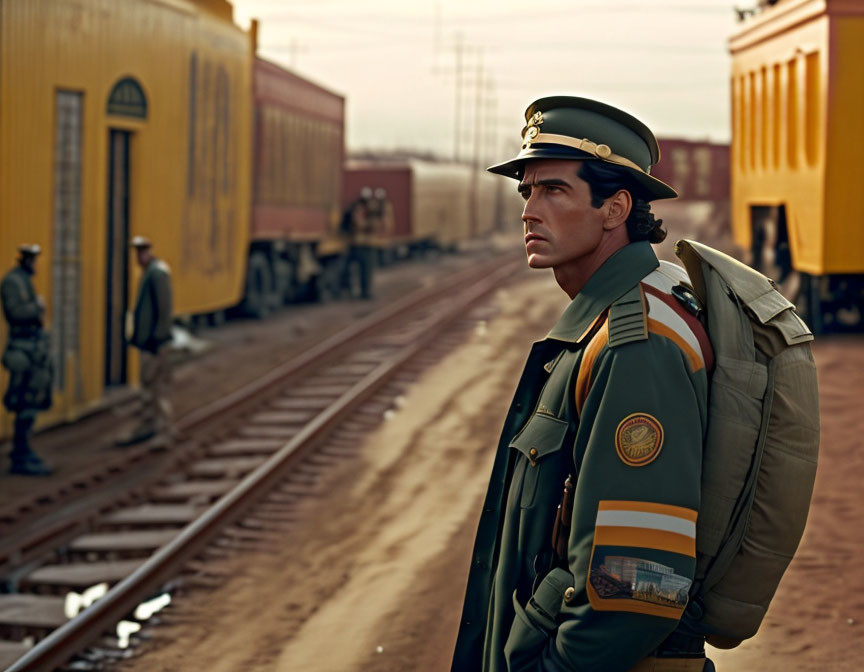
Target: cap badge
x,y
532,130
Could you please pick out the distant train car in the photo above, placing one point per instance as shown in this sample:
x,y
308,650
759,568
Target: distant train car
x,y
395,179
117,119
797,142
697,170
295,246
435,204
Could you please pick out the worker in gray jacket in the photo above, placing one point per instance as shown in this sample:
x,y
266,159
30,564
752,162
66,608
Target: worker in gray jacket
x,y
151,335
27,358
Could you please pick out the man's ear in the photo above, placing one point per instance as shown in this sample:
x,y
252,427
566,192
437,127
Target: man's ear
x,y
618,207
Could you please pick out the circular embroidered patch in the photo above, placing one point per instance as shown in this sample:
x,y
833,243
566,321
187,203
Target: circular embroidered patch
x,y
638,439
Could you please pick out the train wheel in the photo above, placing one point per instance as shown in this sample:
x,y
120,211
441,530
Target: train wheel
x,y
259,287
327,285
216,318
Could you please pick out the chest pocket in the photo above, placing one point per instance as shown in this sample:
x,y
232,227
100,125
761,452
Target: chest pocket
x,y
539,441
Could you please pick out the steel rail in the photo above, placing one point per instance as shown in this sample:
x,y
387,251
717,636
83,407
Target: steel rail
x,y
326,348
77,633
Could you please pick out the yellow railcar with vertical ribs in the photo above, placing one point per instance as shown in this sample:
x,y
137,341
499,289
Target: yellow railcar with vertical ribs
x,y
797,143
122,118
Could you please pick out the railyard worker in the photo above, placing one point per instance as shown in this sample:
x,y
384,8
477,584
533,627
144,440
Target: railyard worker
x,y
27,358
360,225
151,335
610,409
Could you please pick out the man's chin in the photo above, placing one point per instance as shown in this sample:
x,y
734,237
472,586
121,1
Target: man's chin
x,y
538,261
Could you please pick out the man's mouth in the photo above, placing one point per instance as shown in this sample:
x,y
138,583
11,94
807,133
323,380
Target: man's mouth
x,y
532,236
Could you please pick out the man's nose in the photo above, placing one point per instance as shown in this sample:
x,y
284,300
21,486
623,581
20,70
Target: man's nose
x,y
529,212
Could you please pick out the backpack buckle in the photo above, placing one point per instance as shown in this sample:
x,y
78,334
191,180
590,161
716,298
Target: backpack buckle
x,y
688,299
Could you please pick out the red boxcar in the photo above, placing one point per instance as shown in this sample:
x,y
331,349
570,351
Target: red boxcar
x,y
435,203
698,171
299,149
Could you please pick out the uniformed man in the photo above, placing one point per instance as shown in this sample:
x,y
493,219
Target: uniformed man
x,y
151,335
586,544
27,358
360,222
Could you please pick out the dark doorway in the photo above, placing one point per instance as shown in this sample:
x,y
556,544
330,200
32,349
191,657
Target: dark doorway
x,y
117,266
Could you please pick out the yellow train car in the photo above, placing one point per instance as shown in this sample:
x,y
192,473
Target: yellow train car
x,y
122,118
797,142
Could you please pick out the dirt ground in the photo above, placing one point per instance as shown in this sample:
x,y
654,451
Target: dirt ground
x,y
374,577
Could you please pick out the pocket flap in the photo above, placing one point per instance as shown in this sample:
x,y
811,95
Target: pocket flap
x,y
541,435
549,596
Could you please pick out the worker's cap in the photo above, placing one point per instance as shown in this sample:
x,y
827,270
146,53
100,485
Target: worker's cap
x,y
29,250
139,242
580,129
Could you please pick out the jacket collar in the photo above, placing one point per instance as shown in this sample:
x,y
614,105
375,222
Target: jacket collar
x,y
618,274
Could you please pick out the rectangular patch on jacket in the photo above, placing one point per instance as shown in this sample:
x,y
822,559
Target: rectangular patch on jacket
x,y
642,558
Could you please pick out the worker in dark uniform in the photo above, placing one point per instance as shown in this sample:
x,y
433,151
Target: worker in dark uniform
x,y
359,223
151,335
585,549
27,358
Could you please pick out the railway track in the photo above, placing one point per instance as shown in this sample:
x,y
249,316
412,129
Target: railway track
x,y
250,451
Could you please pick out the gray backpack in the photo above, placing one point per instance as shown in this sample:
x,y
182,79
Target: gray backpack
x,y
760,453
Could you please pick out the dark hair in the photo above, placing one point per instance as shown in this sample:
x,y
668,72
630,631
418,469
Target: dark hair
x,y
605,179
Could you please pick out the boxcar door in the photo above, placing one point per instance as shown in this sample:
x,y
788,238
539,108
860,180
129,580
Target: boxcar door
x,y
117,266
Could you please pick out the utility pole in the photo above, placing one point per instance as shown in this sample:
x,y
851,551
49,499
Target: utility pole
x,y
475,162
458,111
478,108
491,121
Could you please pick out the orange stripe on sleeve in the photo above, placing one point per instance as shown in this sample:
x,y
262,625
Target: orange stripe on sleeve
x,y
592,350
639,537
695,358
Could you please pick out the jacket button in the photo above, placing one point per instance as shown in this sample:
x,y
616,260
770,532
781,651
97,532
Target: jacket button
x,y
569,594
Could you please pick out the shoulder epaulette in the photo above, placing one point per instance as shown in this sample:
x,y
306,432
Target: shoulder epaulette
x,y
628,319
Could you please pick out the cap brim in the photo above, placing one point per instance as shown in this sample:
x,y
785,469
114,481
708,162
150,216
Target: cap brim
x,y
513,168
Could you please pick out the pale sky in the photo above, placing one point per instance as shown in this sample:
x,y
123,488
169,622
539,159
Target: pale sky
x,y
395,61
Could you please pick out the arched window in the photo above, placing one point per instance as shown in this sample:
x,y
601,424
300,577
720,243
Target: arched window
x,y
127,99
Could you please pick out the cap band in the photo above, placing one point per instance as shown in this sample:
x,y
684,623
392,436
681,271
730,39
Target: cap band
x,y
601,151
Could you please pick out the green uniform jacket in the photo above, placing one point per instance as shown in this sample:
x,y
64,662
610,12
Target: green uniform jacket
x,y
20,305
616,396
27,355
152,317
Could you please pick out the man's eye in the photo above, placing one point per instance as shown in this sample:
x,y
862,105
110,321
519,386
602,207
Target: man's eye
x,y
525,193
